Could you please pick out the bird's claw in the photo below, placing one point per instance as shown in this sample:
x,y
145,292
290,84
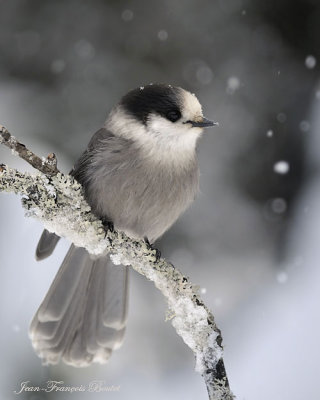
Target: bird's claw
x,y
158,254
108,225
151,247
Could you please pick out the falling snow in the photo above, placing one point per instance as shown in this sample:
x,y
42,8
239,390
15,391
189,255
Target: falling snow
x,y
282,277
233,84
278,205
162,35
310,62
57,66
84,49
281,117
269,133
127,15
204,75
281,167
304,126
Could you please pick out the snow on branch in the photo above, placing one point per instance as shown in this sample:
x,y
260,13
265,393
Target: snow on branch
x,y
57,201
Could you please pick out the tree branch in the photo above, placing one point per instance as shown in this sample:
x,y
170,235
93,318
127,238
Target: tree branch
x,y
47,166
57,200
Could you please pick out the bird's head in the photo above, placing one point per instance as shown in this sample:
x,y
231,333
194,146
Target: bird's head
x,y
164,116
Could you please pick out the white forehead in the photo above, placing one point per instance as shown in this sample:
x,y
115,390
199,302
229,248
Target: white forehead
x,y
191,106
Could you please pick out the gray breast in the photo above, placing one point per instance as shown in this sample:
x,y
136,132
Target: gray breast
x,y
140,196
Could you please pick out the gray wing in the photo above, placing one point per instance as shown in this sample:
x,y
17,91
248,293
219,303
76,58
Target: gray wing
x,y
48,240
81,166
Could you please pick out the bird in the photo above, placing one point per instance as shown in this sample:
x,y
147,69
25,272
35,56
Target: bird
x,y
139,173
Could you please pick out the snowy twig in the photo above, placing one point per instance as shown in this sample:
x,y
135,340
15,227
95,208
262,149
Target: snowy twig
x,y
57,200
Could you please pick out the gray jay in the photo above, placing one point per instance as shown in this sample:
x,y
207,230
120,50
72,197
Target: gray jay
x,y
139,172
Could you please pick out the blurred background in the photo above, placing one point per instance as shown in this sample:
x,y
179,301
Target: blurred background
x,y
250,241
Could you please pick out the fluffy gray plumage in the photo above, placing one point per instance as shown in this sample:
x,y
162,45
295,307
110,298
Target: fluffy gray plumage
x,y
140,172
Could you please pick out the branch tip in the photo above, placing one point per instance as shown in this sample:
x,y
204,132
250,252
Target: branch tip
x,y
47,166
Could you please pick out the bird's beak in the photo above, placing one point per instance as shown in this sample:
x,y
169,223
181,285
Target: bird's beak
x,y
204,123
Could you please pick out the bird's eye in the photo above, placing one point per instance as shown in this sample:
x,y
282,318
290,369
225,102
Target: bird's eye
x,y
173,115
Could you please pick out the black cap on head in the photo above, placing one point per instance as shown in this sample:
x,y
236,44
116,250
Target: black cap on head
x,y
164,100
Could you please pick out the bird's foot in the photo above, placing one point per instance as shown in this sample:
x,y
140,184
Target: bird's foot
x,y
151,247
108,225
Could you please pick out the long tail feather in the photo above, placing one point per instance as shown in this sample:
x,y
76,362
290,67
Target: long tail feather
x,y
82,318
